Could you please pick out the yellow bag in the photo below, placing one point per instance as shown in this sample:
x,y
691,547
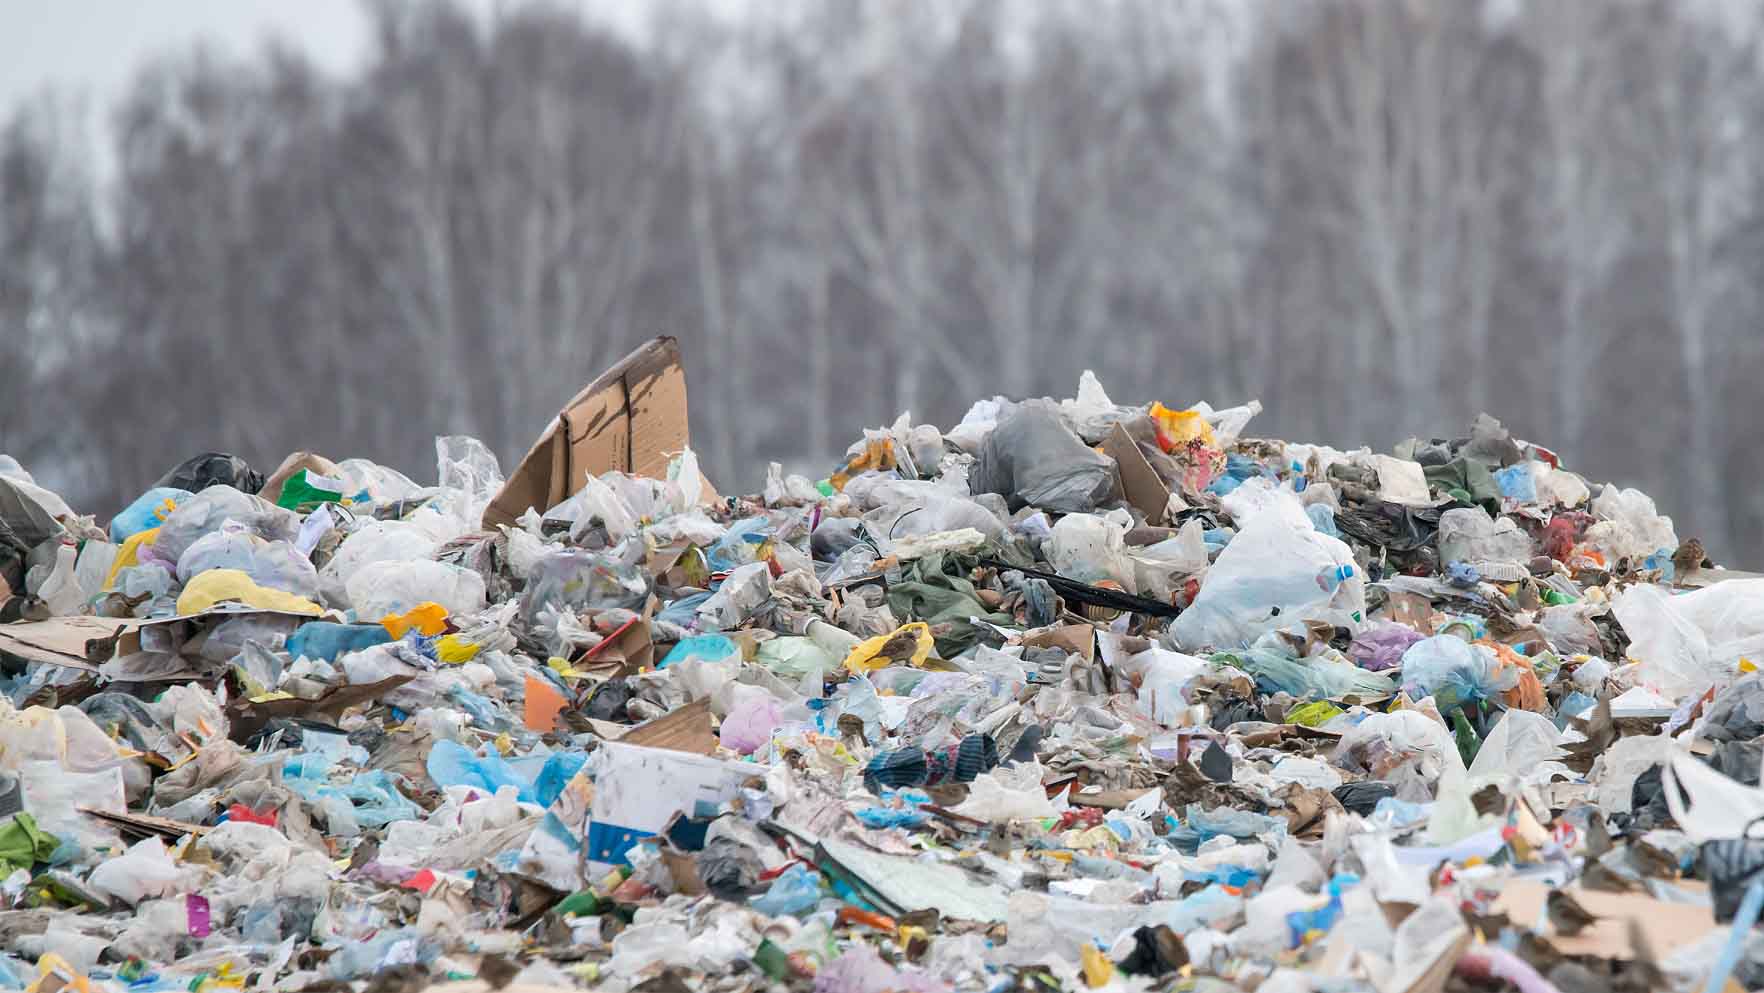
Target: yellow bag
x,y
129,554
1177,428
217,585
910,643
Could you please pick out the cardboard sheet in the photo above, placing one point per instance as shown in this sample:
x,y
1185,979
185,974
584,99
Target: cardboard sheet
x,y
1666,925
1139,481
632,418
74,642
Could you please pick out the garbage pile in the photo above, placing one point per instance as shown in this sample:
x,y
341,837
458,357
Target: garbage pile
x,y
1071,695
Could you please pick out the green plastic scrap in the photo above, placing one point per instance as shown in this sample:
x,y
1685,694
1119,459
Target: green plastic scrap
x,y
24,844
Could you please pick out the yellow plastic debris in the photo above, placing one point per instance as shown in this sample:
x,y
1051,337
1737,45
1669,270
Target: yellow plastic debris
x,y
429,619
129,554
220,585
1098,970
1177,428
454,650
909,644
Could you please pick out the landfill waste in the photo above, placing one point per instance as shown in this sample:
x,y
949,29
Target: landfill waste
x,y
1073,695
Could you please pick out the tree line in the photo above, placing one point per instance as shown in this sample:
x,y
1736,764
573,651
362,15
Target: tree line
x,y
1377,218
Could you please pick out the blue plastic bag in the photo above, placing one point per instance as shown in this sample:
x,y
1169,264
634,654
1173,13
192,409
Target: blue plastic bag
x,y
707,647
149,510
1517,483
327,640
796,892
1454,672
453,764
560,768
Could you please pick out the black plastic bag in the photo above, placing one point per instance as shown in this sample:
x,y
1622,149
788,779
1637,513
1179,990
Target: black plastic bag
x,y
1362,798
1731,864
213,469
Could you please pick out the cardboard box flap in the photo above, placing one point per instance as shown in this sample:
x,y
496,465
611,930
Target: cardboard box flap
x,y
631,418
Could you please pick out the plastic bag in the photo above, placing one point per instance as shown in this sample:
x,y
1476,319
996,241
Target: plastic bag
x,y
1629,526
1008,794
376,541
149,510
381,588
383,485
1278,572
1323,677
453,764
209,469
1380,645
1162,676
1690,642
1468,534
218,585
935,512
1091,549
909,644
207,511
1092,413
55,583
753,716
470,478
145,870
1454,672
1033,459
1517,745
797,892
1405,748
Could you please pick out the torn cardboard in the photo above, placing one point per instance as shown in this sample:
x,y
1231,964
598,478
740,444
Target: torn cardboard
x,y
632,418
684,729
1139,481
1666,925
1079,639
73,642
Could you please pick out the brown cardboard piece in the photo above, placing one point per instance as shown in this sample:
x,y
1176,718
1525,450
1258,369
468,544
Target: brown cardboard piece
x,y
74,642
248,717
684,729
1139,481
1079,638
625,652
631,418
1666,925
1411,609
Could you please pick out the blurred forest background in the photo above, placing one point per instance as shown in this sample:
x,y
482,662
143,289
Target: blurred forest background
x,y
1377,217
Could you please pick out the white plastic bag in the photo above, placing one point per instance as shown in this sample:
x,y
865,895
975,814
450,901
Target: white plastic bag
x,y
1279,571
1519,744
1719,807
1468,534
1158,568
382,588
1008,795
1091,548
1692,641
145,870
1162,676
377,541
1629,526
